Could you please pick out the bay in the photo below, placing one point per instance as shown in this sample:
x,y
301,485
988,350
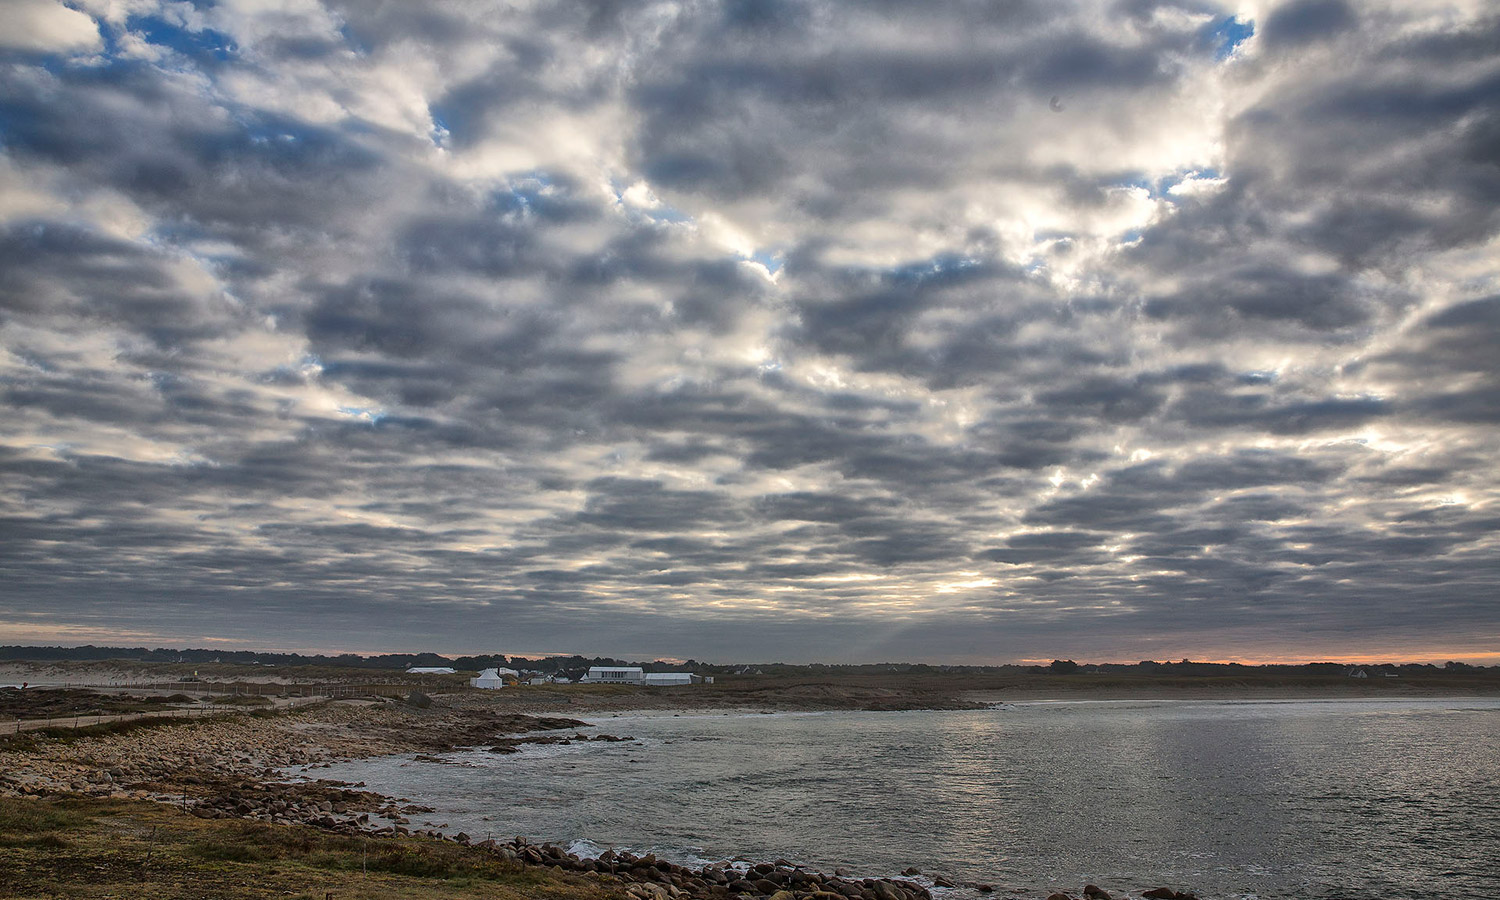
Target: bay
x,y
1237,799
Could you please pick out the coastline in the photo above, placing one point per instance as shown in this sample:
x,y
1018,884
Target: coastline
x,y
237,769
208,773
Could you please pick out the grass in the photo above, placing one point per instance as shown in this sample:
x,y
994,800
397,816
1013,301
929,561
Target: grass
x,y
242,700
38,703
94,849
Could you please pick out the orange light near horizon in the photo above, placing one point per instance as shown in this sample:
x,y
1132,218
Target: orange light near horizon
x,y
1362,659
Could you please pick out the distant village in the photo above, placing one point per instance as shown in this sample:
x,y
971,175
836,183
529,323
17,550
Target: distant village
x,y
517,670
497,677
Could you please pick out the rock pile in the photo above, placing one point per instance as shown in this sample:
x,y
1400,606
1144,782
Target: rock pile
x,y
649,878
511,745
1094,892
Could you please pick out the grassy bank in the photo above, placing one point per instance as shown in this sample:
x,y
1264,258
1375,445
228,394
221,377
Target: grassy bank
x,y
87,848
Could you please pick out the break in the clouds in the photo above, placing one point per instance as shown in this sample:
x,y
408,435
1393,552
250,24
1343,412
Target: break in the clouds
x,y
753,329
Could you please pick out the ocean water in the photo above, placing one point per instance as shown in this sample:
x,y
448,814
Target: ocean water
x,y
1354,799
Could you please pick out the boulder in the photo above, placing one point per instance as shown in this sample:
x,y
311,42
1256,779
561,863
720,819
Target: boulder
x,y
1094,892
884,890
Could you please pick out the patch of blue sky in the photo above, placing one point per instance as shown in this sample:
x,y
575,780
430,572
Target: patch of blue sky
x,y
287,141
1227,34
524,191
669,214
177,231
56,63
539,177
1165,184
943,267
662,212
196,239
261,130
1161,187
369,414
446,120
353,41
203,46
442,135
772,259
1135,180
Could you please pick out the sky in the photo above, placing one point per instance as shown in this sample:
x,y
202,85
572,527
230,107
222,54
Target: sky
x,y
750,330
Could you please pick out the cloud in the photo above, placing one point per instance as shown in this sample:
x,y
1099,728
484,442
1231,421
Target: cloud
x,y
752,331
46,26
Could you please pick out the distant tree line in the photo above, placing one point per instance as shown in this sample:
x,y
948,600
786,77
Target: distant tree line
x,y
576,665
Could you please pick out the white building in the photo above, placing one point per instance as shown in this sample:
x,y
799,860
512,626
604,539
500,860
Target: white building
x,y
636,675
431,670
667,679
615,675
494,678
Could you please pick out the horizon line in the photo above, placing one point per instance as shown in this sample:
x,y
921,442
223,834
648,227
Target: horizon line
x,y
1301,660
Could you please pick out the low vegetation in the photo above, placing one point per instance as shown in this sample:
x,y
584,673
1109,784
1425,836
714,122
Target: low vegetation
x,y
41,703
80,848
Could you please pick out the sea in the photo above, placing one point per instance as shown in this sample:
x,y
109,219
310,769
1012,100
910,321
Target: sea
x,y
1353,799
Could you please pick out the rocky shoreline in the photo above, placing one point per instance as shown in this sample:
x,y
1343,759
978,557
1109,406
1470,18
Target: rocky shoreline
x,y
236,768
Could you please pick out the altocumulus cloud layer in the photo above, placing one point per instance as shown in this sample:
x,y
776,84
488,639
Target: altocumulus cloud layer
x,y
968,331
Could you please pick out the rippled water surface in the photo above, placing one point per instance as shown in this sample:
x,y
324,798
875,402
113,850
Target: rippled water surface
x,y
1349,799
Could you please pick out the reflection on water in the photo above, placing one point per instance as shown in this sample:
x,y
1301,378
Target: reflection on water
x,y
1350,799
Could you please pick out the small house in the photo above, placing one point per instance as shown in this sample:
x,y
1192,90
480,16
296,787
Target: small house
x,y
490,679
